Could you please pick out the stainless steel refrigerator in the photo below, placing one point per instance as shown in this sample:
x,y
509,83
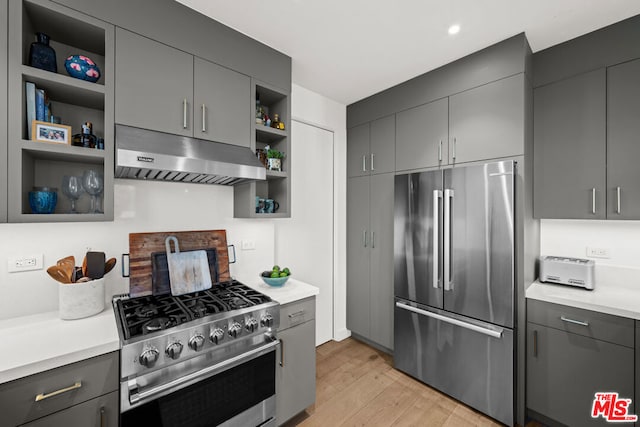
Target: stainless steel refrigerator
x,y
454,283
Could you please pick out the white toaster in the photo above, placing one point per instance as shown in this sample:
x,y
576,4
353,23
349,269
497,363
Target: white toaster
x,y
568,271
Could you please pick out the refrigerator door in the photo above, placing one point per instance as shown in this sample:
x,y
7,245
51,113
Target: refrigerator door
x,y
417,237
469,360
479,242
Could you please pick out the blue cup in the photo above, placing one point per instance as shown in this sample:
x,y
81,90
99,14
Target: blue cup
x,y
260,205
43,200
271,206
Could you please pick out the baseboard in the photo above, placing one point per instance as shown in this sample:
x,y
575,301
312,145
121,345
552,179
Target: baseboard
x,y
342,334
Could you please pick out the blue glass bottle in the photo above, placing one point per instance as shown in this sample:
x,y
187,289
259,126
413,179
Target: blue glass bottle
x,y
41,55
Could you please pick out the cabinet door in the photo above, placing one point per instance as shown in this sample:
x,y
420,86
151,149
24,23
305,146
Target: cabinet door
x,y
381,273
296,371
154,85
358,242
102,411
3,110
222,104
422,135
487,122
565,370
623,141
382,156
569,148
358,150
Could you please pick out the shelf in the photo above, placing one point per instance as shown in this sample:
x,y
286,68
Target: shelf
x,y
270,215
268,135
66,89
80,217
276,174
63,152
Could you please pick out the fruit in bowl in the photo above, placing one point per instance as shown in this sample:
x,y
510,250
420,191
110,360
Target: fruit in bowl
x,y
275,277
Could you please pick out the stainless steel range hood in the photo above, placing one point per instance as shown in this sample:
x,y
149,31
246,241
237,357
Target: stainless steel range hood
x,y
145,154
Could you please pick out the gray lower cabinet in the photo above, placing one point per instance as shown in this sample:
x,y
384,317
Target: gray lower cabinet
x,y
371,147
296,360
623,147
570,148
422,136
370,258
83,393
571,355
4,8
488,122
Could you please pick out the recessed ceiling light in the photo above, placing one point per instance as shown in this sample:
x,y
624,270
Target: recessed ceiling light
x,y
454,29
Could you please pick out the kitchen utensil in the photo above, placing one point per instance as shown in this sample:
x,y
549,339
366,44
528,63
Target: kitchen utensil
x,y
67,266
188,271
95,265
109,264
58,274
84,266
160,270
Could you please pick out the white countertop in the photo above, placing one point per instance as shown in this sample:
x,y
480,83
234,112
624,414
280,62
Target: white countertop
x,y
617,292
293,290
44,341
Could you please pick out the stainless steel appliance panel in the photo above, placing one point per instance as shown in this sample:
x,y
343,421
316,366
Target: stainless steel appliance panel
x,y
479,236
469,360
418,237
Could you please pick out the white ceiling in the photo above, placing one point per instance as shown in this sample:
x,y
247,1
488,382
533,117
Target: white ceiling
x,y
347,50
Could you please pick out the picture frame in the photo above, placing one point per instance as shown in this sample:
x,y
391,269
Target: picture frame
x,y
52,133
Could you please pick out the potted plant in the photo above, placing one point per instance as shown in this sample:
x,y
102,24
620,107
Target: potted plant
x,y
274,159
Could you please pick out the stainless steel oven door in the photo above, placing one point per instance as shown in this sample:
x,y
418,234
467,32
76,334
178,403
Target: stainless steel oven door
x,y
237,391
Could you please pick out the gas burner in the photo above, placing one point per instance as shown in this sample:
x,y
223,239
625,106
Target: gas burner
x,y
237,302
148,310
157,324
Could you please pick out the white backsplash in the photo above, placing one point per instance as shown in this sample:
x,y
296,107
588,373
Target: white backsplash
x,y
140,206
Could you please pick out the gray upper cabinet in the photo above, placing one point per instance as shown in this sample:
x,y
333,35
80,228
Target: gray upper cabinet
x,y
222,104
422,136
154,85
570,151
3,110
623,141
370,147
487,122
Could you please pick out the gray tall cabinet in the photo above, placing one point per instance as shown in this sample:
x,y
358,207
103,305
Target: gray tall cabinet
x,y
4,5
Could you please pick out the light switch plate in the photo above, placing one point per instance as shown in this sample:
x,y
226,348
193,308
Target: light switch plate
x,y
248,245
598,253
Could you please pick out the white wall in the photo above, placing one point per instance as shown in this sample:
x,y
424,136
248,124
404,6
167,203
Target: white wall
x,y
571,237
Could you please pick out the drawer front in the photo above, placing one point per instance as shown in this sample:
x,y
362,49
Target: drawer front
x,y
96,376
606,327
296,313
99,412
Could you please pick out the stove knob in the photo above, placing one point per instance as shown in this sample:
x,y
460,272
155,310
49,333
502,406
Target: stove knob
x,y
267,320
196,342
251,324
235,329
149,357
174,349
216,336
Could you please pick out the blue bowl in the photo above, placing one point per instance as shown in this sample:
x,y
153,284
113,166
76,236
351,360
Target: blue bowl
x,y
276,282
43,200
82,67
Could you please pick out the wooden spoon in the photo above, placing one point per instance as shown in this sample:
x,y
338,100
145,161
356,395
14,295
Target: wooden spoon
x,y
67,265
84,266
58,274
109,264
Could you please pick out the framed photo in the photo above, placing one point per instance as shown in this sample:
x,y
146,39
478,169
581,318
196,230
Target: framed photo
x,y
50,132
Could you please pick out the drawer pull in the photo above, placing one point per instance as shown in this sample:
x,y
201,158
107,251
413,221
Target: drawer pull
x,y
535,343
575,322
43,396
296,314
103,417
281,353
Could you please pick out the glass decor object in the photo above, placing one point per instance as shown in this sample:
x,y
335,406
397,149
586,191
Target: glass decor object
x,y
82,67
93,184
41,55
85,139
43,200
72,188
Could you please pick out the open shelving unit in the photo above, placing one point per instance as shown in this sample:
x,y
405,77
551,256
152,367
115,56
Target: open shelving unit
x,y
39,164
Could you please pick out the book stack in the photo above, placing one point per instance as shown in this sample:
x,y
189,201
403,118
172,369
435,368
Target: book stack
x,y
38,105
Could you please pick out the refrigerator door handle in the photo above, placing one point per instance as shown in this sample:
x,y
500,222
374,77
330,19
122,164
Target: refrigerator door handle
x,y
437,195
448,195
495,333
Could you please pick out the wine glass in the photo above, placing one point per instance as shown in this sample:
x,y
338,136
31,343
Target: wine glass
x,y
93,184
72,188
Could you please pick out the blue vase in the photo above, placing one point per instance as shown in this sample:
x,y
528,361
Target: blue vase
x,y
41,55
82,67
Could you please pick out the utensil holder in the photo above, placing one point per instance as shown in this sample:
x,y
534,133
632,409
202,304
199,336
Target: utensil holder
x,y
78,300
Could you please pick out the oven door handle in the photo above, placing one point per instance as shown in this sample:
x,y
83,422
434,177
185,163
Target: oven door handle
x,y
136,396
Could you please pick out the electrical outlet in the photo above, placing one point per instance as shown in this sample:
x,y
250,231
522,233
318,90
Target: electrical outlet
x,y
598,253
25,263
248,245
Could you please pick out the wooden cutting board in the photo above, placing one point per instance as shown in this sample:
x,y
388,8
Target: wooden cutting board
x,y
142,245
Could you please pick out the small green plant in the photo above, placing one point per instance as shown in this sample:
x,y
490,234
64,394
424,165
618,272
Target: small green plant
x,y
274,154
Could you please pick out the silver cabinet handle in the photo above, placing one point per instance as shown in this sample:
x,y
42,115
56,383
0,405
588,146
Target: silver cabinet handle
x,y
296,314
575,322
440,151
364,163
103,417
494,332
448,195
184,113
437,195
373,240
372,156
454,148
43,396
364,238
618,200
593,200
535,343
204,118
281,352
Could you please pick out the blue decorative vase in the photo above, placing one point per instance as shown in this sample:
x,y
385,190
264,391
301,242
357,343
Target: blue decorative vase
x,y
41,55
82,67
43,200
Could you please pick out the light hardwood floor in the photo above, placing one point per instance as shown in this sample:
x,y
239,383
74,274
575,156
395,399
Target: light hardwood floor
x,y
357,386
